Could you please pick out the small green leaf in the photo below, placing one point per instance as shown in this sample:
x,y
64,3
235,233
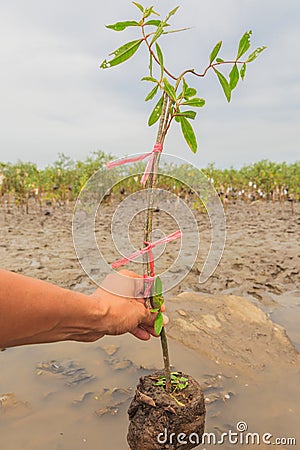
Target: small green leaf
x,y
152,93
234,77
184,86
153,22
138,6
169,89
182,385
219,60
171,13
188,133
189,92
224,83
158,286
156,113
150,79
215,51
183,379
196,102
244,44
122,54
255,54
151,64
160,58
176,31
188,114
120,26
158,33
154,310
158,324
243,71
158,301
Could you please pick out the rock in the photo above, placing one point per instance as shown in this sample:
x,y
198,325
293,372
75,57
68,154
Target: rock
x,y
230,330
9,403
110,349
69,370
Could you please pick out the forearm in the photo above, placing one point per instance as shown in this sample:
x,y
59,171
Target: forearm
x,y
34,311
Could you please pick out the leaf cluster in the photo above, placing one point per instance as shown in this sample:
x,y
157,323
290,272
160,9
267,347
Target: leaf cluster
x,y
178,382
182,98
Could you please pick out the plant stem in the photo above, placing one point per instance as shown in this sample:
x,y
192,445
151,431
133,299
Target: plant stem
x,y
161,134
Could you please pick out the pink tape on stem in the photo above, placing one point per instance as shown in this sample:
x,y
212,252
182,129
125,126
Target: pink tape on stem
x,y
172,237
156,149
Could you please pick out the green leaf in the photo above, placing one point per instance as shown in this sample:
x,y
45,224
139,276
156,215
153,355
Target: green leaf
x,y
183,379
243,71
169,89
152,93
182,385
154,310
122,54
158,32
188,133
158,301
158,323
215,51
150,79
138,6
120,26
151,64
219,60
244,44
224,83
255,54
234,77
171,13
190,92
188,114
154,22
149,11
158,286
176,31
156,113
196,102
160,58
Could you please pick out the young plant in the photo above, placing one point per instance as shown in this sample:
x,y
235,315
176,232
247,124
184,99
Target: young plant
x,y
178,101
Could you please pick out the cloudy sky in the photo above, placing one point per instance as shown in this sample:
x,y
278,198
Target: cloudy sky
x,y
54,98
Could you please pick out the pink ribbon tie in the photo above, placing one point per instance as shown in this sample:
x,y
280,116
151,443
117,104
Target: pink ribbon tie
x,y
156,149
172,237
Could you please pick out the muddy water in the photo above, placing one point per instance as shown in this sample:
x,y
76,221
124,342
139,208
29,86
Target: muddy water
x,y
86,409
50,412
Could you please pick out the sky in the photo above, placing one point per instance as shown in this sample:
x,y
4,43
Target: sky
x,y
54,97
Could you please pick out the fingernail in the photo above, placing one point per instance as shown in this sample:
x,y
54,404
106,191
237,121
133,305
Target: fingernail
x,y
165,319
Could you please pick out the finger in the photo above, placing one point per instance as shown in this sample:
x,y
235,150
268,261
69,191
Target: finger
x,y
141,333
129,273
165,320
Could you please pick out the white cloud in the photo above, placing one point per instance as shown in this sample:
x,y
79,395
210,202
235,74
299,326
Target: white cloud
x,y
55,98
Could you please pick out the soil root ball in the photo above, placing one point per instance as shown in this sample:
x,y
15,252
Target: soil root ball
x,y
157,418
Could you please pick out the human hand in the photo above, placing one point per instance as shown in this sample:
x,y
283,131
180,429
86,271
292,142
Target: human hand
x,y
121,296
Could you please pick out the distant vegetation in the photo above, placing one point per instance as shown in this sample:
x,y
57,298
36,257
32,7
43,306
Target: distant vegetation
x,y
62,181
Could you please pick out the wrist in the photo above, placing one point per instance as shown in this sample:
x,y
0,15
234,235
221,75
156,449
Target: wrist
x,y
83,318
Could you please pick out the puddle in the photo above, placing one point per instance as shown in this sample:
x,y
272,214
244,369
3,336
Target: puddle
x,y
92,414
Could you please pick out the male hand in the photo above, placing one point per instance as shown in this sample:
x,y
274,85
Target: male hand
x,y
121,296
